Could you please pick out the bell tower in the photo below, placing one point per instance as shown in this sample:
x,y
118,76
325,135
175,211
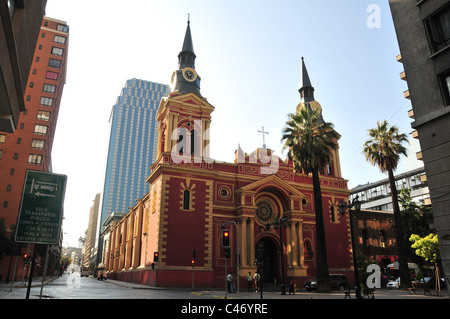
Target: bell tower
x,y
308,101
185,115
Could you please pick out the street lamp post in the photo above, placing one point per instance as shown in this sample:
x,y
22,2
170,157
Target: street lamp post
x,y
342,208
280,223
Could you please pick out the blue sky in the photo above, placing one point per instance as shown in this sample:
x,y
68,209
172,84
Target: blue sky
x,y
249,59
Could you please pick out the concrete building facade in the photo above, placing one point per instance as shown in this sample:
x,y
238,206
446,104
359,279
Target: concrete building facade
x,y
423,33
20,23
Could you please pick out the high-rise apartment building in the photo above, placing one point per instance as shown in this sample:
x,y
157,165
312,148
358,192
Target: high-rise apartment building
x,y
30,146
132,145
20,22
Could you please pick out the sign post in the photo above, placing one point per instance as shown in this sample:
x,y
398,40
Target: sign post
x,y
40,213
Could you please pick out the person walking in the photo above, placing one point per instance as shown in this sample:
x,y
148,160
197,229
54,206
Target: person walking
x,y
229,279
249,282
256,278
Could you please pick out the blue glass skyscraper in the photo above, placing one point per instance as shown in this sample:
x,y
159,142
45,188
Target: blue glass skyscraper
x,y
132,145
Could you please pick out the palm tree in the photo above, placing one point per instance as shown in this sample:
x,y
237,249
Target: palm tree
x,y
383,149
310,146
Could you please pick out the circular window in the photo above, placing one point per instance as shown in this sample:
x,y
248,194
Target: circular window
x,y
224,192
264,212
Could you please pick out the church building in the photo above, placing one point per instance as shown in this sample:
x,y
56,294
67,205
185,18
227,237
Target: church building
x,y
172,237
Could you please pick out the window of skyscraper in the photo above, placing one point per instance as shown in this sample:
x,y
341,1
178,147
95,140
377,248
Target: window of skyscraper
x,y
59,39
46,101
51,75
438,28
43,115
57,51
63,28
34,159
38,144
49,88
40,129
54,63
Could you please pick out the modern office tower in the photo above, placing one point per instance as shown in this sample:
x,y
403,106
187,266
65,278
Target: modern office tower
x,y
30,146
132,145
423,33
20,22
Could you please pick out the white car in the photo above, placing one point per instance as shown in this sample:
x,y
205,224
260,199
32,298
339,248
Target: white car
x,y
393,283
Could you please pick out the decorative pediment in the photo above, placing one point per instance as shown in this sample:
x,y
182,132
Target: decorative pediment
x,y
183,101
273,181
293,200
191,100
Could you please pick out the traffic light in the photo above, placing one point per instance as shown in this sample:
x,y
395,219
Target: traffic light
x,y
193,263
26,259
225,238
155,256
194,254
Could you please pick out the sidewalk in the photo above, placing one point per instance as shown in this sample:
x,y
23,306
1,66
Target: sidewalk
x,y
275,293
37,281
217,293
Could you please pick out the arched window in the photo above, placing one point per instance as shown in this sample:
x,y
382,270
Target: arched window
x,y
194,143
307,250
181,143
186,199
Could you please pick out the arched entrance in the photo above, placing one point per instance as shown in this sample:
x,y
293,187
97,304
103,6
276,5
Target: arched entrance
x,y
270,258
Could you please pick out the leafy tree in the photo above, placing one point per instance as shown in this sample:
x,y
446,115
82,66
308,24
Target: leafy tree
x,y
383,149
428,248
310,146
416,219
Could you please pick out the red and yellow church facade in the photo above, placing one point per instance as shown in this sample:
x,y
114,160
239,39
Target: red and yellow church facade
x,y
191,197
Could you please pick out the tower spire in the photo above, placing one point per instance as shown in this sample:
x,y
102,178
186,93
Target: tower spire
x,y
307,94
186,79
306,89
187,55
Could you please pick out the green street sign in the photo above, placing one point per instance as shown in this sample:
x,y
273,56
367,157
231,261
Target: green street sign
x,y
41,208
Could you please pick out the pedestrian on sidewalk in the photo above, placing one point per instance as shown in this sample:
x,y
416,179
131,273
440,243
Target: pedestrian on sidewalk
x,y
229,279
249,282
257,278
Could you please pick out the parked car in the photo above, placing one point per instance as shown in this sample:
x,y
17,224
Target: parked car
x,y
393,283
337,282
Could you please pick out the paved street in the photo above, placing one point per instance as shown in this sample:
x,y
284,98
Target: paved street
x,y
76,287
